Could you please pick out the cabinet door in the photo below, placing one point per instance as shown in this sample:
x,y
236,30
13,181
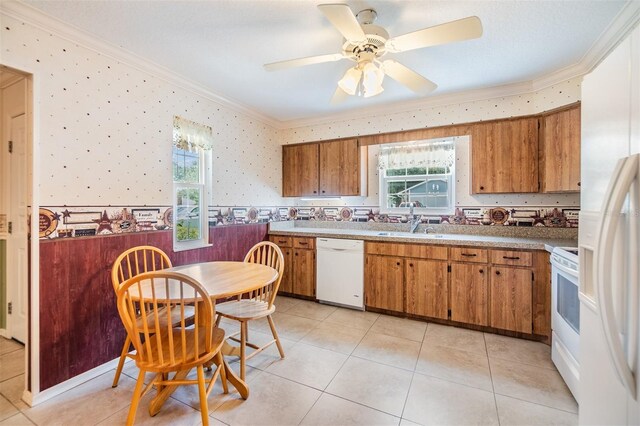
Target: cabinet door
x,y
504,157
299,170
560,152
340,168
286,285
384,287
511,299
426,288
304,272
470,293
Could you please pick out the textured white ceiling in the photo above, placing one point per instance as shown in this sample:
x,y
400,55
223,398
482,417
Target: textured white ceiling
x,y
222,44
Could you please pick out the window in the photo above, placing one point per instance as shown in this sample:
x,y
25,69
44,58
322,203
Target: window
x,y
422,173
191,163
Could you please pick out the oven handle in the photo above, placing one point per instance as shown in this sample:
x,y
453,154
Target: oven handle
x,y
625,173
564,269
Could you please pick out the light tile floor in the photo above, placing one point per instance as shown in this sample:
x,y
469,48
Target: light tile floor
x,y
342,367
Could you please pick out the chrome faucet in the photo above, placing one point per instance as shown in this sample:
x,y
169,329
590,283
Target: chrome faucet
x,y
429,228
414,219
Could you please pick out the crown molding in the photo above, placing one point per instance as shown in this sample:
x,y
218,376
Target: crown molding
x,y
622,24
33,16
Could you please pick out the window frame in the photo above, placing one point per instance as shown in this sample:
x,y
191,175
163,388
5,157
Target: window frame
x,y
383,194
204,185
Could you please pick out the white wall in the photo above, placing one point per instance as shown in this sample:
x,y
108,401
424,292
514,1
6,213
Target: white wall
x,y
106,129
507,106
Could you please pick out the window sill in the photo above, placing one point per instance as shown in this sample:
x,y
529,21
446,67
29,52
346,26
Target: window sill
x,y
190,246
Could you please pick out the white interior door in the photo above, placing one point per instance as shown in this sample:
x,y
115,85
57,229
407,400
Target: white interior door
x,y
17,243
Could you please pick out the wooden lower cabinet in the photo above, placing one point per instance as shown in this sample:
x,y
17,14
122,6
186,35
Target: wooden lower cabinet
x,y
286,284
426,287
299,276
383,278
470,293
511,298
304,272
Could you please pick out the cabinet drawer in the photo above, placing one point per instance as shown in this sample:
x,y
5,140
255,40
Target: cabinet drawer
x,y
515,258
461,254
280,240
419,251
302,242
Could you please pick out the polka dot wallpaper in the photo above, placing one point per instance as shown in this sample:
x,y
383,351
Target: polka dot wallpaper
x,y
106,129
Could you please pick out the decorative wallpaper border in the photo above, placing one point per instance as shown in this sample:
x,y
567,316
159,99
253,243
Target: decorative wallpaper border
x,y
67,222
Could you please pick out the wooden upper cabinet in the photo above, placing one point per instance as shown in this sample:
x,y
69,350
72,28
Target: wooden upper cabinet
x,y
324,168
300,170
560,151
340,168
504,156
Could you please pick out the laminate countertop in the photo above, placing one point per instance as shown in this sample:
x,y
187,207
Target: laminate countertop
x,y
431,238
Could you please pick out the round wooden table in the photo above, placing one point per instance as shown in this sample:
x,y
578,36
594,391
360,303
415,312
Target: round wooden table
x,y
221,280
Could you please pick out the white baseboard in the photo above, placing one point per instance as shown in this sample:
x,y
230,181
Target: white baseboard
x,y
33,399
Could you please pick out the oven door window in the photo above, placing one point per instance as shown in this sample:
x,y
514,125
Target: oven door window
x,y
568,305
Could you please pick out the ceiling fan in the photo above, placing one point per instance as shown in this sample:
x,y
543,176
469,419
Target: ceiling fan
x,y
366,43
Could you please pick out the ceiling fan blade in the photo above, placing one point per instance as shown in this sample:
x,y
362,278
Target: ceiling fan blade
x,y
339,96
462,29
341,17
408,77
310,60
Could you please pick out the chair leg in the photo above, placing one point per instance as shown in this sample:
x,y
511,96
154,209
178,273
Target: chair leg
x,y
243,348
123,356
275,336
136,398
223,372
218,320
204,409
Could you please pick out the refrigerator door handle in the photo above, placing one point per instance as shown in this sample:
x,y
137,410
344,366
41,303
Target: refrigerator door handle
x,y
622,180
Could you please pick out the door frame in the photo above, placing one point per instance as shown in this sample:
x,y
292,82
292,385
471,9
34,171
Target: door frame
x,y
32,357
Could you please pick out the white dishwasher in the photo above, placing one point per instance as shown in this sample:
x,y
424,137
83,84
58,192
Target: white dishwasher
x,y
340,272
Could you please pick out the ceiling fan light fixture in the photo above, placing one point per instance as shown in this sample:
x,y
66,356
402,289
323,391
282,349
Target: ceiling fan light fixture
x,y
351,81
372,80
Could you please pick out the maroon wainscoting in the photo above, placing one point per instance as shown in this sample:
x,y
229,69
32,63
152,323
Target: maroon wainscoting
x,y
79,325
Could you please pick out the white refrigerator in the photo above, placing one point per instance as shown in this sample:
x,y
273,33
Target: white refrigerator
x,y
609,239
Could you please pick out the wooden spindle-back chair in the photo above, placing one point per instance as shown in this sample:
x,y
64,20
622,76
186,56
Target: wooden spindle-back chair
x,y
170,344
133,262
256,304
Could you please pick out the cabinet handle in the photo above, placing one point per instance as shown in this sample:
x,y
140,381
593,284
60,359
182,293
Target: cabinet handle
x,y
511,257
469,254
281,242
302,243
410,265
578,183
482,188
398,263
323,191
497,272
296,254
315,192
481,271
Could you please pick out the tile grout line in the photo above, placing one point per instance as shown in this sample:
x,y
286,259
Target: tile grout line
x,y
413,373
493,387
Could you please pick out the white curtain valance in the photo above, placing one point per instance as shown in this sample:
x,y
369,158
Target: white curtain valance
x,y
191,136
420,154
